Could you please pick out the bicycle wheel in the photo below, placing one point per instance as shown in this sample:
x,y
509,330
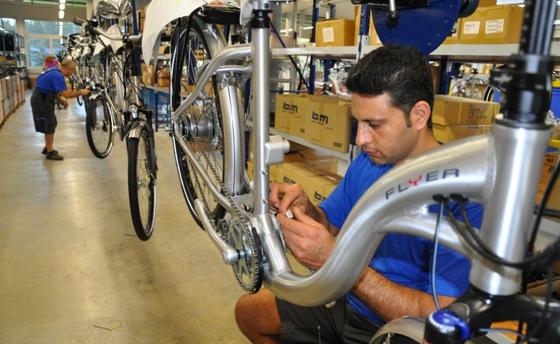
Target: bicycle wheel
x,y
142,182
201,124
99,128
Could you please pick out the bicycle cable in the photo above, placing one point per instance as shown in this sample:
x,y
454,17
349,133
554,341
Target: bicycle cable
x,y
546,257
440,199
468,233
542,208
548,297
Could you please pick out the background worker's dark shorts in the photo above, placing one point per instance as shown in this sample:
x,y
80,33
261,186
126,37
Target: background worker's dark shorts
x,y
42,105
337,324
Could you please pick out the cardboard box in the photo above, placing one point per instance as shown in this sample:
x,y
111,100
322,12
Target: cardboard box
x,y
502,24
492,25
453,38
373,37
549,163
329,123
2,117
147,74
316,183
450,110
290,113
446,134
288,41
335,33
7,105
470,29
319,187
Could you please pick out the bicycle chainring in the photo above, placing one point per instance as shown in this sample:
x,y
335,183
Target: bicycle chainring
x,y
243,237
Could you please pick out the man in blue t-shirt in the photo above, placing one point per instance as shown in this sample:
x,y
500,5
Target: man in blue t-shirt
x,y
392,97
50,87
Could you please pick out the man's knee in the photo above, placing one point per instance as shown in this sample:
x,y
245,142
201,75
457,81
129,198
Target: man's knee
x,y
257,315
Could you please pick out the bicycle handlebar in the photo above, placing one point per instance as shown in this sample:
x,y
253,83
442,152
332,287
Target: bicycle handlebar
x,y
79,21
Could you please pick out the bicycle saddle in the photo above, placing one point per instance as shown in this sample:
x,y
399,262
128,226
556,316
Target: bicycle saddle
x,y
219,15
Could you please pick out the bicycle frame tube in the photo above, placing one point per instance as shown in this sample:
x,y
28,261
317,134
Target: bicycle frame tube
x,y
508,214
228,53
465,167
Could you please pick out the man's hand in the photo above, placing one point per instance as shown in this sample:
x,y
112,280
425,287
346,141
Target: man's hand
x,y
310,242
63,101
289,196
84,92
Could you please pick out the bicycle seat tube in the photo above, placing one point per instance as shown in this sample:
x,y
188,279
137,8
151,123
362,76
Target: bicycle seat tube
x,y
260,108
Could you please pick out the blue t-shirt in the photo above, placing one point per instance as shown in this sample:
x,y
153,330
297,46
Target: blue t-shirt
x,y
51,81
403,259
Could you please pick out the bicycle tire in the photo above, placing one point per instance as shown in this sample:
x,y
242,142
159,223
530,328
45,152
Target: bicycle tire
x,y
102,144
191,184
141,183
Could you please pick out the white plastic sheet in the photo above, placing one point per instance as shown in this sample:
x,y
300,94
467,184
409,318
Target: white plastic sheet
x,y
158,14
161,12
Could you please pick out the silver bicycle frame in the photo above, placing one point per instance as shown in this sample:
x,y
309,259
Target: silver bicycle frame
x,y
500,170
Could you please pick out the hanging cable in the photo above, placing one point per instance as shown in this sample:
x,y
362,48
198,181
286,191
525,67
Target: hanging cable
x,y
441,201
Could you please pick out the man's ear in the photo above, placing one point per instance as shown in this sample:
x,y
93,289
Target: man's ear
x,y
420,114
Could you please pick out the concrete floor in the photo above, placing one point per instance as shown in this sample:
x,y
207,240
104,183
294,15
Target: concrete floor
x,y
71,267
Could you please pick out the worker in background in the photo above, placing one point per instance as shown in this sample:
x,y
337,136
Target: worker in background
x,y
50,87
50,62
392,98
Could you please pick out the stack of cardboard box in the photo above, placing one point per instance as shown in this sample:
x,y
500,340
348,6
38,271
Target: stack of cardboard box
x,y
290,113
12,95
322,120
147,74
335,33
455,118
316,173
2,116
492,25
328,123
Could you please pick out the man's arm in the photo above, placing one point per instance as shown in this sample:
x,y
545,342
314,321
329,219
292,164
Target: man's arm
x,y
74,93
392,301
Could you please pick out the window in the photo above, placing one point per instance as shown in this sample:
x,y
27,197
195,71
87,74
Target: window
x,y
45,38
8,24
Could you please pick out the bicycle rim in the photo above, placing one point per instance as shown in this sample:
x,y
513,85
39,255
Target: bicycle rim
x,y
200,126
141,184
99,128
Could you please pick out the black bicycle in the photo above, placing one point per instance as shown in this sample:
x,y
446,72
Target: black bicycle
x,y
115,106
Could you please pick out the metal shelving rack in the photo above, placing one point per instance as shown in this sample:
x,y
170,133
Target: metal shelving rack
x,y
484,52
453,52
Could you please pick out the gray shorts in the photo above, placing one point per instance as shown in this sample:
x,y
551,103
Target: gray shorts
x,y
337,324
42,106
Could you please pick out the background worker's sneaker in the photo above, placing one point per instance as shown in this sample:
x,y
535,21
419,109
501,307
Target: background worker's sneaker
x,y
44,151
53,155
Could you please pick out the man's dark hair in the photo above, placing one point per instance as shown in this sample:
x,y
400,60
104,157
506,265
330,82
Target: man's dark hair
x,y
401,71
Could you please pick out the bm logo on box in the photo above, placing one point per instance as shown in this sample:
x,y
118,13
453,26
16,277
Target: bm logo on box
x,y
317,117
289,107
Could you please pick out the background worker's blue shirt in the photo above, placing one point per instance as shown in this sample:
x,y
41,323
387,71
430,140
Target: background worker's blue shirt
x,y
400,258
51,81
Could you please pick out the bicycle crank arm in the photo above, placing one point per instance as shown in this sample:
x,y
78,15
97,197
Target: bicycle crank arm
x,y
229,254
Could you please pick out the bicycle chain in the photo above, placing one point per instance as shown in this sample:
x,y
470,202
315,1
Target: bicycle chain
x,y
256,266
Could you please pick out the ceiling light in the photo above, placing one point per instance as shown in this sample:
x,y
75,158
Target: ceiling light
x,y
61,6
61,14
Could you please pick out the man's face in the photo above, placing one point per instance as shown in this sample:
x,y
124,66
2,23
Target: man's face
x,y
67,71
384,133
